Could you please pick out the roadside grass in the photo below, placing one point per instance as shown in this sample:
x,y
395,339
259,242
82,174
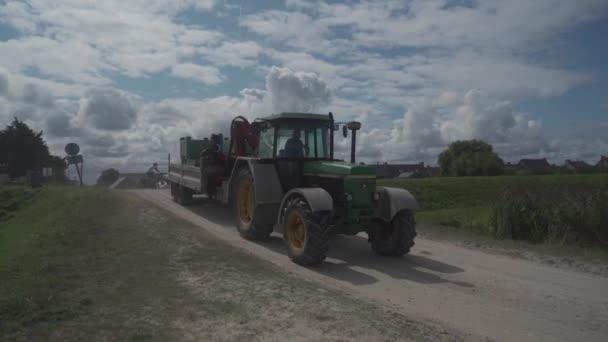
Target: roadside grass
x,y
61,260
87,264
471,203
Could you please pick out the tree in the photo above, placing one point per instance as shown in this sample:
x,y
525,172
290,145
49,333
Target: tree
x,y
58,165
108,177
470,158
22,149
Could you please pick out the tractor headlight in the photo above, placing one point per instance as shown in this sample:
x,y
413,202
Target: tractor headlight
x,y
348,197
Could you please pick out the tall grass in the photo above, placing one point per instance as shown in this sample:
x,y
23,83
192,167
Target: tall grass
x,y
565,213
571,209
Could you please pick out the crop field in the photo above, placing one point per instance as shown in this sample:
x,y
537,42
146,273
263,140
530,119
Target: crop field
x,y
500,206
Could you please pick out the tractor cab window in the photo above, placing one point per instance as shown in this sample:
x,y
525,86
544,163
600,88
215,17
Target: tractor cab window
x,y
266,144
304,142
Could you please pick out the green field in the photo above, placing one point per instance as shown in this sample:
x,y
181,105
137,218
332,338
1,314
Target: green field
x,y
467,202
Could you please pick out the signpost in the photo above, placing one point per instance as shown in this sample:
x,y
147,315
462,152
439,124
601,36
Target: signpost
x,y
75,159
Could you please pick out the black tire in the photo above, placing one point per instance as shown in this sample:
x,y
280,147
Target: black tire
x,y
174,191
184,195
397,238
250,228
315,245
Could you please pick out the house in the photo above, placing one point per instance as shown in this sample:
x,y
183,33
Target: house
x,y
577,166
412,174
433,171
533,167
602,164
394,170
4,174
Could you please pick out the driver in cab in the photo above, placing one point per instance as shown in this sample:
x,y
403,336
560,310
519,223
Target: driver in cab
x,y
294,148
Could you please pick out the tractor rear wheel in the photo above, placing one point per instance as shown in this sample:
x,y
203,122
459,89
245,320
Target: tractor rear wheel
x,y
304,235
245,208
395,238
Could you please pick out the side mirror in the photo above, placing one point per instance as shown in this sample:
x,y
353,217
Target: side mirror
x,y
344,131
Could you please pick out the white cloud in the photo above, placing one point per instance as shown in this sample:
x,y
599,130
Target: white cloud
x,y
428,127
296,91
364,60
240,54
109,109
205,74
3,82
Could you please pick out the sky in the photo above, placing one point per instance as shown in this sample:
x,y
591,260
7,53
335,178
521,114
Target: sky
x,y
126,79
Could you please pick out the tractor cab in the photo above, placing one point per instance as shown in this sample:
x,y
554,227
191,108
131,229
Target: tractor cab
x,y
295,136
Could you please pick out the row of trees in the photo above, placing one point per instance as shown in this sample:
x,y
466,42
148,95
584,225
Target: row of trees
x,y
22,150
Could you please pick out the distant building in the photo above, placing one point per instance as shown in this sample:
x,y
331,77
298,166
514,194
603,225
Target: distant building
x,y
395,170
4,174
577,166
412,174
602,164
433,171
511,169
533,167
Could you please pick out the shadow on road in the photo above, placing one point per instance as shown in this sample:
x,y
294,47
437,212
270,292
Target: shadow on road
x,y
350,258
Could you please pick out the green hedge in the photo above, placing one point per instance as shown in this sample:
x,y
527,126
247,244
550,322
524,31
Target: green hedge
x,y
573,214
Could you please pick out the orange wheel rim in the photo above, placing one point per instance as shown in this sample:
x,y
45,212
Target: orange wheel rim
x,y
245,202
296,231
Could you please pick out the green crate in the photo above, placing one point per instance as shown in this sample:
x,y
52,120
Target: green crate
x,y
191,148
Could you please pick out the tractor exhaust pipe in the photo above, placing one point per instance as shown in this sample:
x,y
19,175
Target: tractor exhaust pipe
x,y
331,136
354,126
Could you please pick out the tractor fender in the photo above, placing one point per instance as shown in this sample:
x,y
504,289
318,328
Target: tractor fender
x,y
266,182
392,201
317,199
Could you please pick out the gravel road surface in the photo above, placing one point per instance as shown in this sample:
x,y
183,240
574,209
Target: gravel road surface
x,y
485,295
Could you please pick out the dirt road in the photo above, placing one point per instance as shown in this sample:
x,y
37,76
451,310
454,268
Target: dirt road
x,y
482,294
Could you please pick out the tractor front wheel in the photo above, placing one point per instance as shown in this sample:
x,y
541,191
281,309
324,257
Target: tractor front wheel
x,y
304,235
395,238
245,208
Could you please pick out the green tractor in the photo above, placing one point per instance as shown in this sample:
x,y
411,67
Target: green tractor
x,y
279,173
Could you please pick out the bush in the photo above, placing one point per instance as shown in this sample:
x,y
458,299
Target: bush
x,y
566,214
108,177
470,158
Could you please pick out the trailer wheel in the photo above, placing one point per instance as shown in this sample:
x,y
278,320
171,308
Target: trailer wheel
x,y
245,208
304,235
174,191
395,238
184,195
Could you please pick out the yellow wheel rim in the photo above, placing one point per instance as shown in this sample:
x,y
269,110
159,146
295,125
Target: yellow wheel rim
x,y
245,201
296,231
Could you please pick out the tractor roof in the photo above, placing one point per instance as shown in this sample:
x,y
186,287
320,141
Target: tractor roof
x,y
294,115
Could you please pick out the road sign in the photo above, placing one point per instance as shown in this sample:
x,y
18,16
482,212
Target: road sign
x,y
72,149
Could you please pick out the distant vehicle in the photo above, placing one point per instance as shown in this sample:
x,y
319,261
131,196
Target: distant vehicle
x,y
154,178
279,173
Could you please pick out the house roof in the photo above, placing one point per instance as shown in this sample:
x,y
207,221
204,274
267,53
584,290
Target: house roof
x,y
577,164
534,163
394,170
603,161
